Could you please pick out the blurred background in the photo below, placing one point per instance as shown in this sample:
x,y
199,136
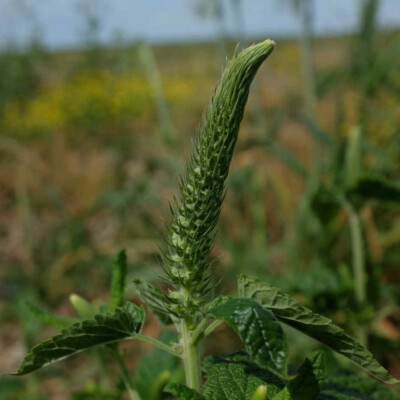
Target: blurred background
x,y
99,100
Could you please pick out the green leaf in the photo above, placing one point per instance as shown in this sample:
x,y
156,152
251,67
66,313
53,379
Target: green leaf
x,y
104,328
347,386
154,371
306,385
119,270
237,377
260,331
289,311
47,317
183,392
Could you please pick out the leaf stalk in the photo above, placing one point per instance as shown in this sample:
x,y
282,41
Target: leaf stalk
x,y
210,328
158,344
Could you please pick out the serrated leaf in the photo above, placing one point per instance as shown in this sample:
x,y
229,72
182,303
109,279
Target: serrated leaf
x,y
104,328
258,328
237,377
289,311
347,386
47,317
306,386
119,270
155,370
183,392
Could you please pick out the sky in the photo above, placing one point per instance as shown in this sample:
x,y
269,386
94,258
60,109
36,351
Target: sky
x,y
60,23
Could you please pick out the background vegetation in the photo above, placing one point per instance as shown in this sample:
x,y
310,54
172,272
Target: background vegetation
x,y
92,139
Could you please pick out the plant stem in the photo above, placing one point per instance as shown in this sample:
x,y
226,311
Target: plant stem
x,y
358,268
126,377
190,357
358,258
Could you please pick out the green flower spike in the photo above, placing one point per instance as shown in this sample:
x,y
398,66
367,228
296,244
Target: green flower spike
x,y
191,233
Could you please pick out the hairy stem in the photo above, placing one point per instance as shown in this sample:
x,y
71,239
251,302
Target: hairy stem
x,y
191,360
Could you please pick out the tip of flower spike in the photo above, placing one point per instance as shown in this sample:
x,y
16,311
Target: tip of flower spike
x,y
259,50
268,45
269,42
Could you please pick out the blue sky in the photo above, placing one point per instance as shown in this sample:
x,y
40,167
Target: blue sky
x,y
60,23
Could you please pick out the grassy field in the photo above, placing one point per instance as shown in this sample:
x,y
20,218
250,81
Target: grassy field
x,y
91,144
